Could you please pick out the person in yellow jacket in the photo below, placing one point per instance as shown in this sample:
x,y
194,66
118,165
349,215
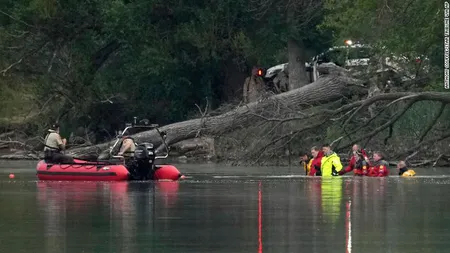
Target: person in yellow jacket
x,y
305,162
404,171
331,162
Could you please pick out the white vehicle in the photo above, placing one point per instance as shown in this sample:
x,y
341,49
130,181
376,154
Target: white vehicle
x,y
344,56
354,57
273,71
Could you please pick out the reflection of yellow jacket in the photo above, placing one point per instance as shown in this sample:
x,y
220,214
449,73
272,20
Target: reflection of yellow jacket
x,y
332,198
330,162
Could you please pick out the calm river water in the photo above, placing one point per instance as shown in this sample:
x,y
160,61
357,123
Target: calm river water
x,y
226,209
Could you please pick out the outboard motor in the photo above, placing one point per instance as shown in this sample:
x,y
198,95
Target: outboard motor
x,y
143,164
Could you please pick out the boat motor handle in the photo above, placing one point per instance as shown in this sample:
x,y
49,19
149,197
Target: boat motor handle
x,y
162,157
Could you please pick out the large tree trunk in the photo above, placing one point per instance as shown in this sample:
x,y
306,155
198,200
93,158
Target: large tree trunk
x,y
327,89
297,58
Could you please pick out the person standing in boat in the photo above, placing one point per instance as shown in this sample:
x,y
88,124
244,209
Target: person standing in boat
x,y
54,147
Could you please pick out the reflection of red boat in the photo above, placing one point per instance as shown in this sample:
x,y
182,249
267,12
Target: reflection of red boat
x,y
79,195
169,192
98,171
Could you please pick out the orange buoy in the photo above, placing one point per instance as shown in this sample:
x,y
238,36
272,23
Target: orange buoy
x,y
11,176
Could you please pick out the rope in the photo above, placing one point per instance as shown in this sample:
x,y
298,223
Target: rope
x,y
87,167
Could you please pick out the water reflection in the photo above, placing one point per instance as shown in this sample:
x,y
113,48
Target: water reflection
x,y
309,214
348,226
260,245
78,209
331,198
169,192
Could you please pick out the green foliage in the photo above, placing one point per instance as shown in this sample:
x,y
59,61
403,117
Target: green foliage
x,y
102,62
98,63
409,28
298,20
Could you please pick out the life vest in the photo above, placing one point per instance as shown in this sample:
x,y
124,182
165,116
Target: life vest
x,y
307,166
361,168
380,169
331,165
404,172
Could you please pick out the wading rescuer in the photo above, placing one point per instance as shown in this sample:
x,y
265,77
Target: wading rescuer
x,y
305,162
361,165
404,171
331,163
351,166
380,166
315,162
54,147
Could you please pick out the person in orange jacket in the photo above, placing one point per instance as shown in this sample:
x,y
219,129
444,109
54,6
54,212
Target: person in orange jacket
x,y
380,166
351,166
305,162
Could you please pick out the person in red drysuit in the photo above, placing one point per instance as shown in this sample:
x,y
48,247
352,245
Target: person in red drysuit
x,y
380,166
351,165
361,166
315,162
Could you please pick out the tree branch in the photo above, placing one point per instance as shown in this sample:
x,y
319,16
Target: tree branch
x,y
384,126
433,122
16,19
23,57
424,144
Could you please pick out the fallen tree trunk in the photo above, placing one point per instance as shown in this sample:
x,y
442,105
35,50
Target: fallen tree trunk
x,y
303,113
330,87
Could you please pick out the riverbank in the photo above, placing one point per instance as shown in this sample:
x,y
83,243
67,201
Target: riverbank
x,y
192,158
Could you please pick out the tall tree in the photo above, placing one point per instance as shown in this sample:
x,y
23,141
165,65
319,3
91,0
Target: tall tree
x,y
295,24
153,59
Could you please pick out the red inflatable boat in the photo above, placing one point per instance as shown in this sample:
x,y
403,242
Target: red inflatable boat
x,y
142,167
98,171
